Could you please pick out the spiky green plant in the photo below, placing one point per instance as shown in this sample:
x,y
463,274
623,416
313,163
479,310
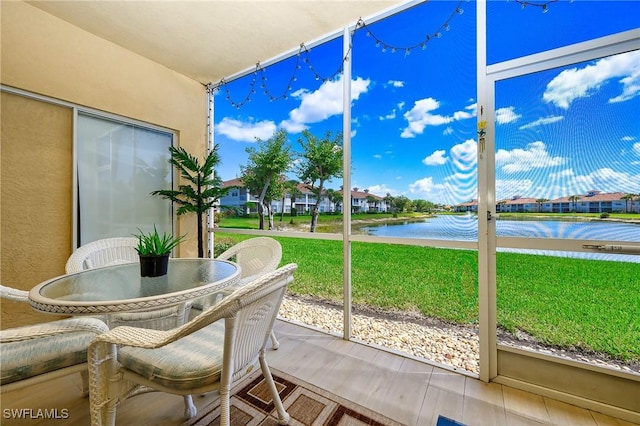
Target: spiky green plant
x,y
154,244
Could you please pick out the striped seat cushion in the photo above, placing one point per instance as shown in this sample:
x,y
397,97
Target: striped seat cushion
x,y
193,361
27,358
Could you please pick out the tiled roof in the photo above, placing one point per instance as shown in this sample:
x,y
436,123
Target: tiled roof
x,y
232,182
613,196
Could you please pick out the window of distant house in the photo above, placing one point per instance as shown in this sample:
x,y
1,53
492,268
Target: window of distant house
x,y
118,165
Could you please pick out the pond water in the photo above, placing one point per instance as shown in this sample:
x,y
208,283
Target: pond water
x,y
465,228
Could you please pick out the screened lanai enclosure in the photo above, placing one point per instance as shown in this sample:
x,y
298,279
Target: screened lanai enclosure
x,y
474,167
508,122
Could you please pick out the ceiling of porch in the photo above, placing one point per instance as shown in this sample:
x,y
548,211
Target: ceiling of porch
x,y
209,40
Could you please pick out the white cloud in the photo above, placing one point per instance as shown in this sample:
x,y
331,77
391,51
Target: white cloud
x,y
426,188
609,180
636,148
382,190
542,122
245,131
421,116
507,188
293,127
464,156
395,83
377,156
457,188
438,158
389,116
321,104
448,131
401,105
562,174
506,115
533,156
574,83
627,138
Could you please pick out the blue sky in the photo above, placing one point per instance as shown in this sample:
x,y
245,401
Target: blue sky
x,y
558,133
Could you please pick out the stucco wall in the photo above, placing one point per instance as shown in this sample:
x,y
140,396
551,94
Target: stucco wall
x,y
44,55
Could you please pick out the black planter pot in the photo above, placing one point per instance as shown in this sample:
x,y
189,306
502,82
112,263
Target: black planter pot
x,y
154,266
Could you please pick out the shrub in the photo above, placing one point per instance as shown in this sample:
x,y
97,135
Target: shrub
x,y
604,215
222,244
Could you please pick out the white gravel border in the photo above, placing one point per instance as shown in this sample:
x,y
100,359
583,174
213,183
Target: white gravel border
x,y
451,345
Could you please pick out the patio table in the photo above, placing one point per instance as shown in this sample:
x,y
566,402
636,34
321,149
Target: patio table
x,y
120,288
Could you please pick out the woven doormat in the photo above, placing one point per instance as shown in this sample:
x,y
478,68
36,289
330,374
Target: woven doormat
x,y
251,404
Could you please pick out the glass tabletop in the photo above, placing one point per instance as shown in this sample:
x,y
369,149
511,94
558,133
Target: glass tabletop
x,y
120,288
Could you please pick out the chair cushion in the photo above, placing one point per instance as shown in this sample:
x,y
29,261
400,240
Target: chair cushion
x,y
193,361
28,358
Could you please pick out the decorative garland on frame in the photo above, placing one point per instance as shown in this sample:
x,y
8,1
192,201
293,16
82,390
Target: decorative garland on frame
x,y
303,56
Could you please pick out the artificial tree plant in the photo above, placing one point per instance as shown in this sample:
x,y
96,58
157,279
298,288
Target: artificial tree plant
x,y
199,189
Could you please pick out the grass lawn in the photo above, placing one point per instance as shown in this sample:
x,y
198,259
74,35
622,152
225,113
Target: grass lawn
x,y
586,304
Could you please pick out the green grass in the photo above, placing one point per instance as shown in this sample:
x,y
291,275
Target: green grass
x,y
586,304
323,219
329,221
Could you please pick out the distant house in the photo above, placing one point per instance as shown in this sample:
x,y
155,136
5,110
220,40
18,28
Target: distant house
x,y
366,202
470,206
517,204
591,202
239,199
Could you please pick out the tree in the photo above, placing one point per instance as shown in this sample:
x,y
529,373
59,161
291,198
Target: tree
x,y
200,188
574,199
626,199
289,187
422,205
371,200
539,201
401,202
295,194
262,174
389,200
321,160
334,197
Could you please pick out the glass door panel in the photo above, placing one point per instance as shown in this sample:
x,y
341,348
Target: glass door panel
x,y
567,169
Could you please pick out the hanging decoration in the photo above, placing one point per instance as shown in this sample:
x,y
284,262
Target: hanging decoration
x,y
544,5
422,44
303,57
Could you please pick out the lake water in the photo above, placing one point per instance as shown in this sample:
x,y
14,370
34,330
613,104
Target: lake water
x,y
465,228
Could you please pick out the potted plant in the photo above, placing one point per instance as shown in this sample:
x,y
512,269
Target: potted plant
x,y
200,190
154,250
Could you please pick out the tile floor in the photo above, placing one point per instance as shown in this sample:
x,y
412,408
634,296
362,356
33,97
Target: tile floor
x,y
407,390
412,392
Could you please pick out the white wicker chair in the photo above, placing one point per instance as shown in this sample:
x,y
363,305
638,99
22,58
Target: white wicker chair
x,y
119,250
104,252
256,257
212,351
36,353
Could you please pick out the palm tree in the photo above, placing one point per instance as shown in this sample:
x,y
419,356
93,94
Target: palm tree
x,y
626,199
201,190
540,201
574,199
334,197
291,188
388,199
